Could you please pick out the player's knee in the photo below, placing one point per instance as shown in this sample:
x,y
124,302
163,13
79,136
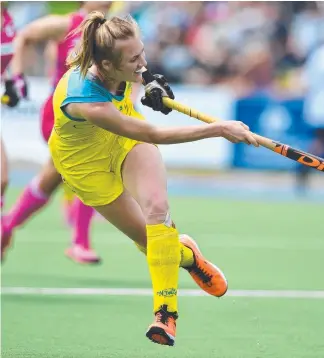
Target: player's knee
x,y
156,208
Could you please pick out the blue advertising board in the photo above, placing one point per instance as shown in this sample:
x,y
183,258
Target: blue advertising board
x,y
280,120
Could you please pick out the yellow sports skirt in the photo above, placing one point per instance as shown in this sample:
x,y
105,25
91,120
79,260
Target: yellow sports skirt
x,y
92,168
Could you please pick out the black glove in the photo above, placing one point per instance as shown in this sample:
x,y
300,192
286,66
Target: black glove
x,y
15,89
154,94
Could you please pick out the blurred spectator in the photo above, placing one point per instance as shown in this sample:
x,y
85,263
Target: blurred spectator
x,y
250,45
307,28
314,109
24,12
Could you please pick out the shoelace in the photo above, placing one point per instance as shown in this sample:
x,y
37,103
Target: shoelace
x,y
163,315
202,274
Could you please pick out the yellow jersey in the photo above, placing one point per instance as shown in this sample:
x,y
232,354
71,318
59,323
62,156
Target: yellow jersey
x,y
88,157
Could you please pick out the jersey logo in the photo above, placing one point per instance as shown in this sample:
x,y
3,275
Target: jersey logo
x,y
80,127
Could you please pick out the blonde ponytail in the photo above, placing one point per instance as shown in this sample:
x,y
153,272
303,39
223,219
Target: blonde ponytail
x,y
98,40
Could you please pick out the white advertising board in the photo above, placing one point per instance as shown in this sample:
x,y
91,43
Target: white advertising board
x,y
21,127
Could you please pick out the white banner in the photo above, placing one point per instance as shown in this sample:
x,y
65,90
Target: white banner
x,y
23,141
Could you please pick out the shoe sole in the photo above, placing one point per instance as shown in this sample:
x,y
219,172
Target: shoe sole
x,y
80,261
220,272
159,336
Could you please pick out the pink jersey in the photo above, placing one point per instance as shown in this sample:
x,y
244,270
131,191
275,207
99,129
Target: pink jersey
x,y
7,36
64,47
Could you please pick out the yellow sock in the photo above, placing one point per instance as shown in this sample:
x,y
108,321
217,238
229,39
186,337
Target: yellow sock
x,y
163,257
187,258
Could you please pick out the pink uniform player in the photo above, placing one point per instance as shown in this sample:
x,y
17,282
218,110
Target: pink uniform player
x,y
60,30
62,50
7,37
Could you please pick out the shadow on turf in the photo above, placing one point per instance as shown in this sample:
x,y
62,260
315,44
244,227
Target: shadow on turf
x,y
58,300
38,280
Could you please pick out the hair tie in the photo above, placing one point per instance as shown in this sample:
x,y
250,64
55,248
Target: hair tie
x,y
102,21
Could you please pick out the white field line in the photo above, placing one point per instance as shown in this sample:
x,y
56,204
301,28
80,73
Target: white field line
x,y
223,241
148,292
219,240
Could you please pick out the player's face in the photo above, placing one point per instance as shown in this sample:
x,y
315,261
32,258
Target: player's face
x,y
133,59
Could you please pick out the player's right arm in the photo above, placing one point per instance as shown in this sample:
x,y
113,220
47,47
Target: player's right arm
x,y
49,28
106,116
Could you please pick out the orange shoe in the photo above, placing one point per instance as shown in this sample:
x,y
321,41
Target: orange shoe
x,y
163,329
82,255
208,276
